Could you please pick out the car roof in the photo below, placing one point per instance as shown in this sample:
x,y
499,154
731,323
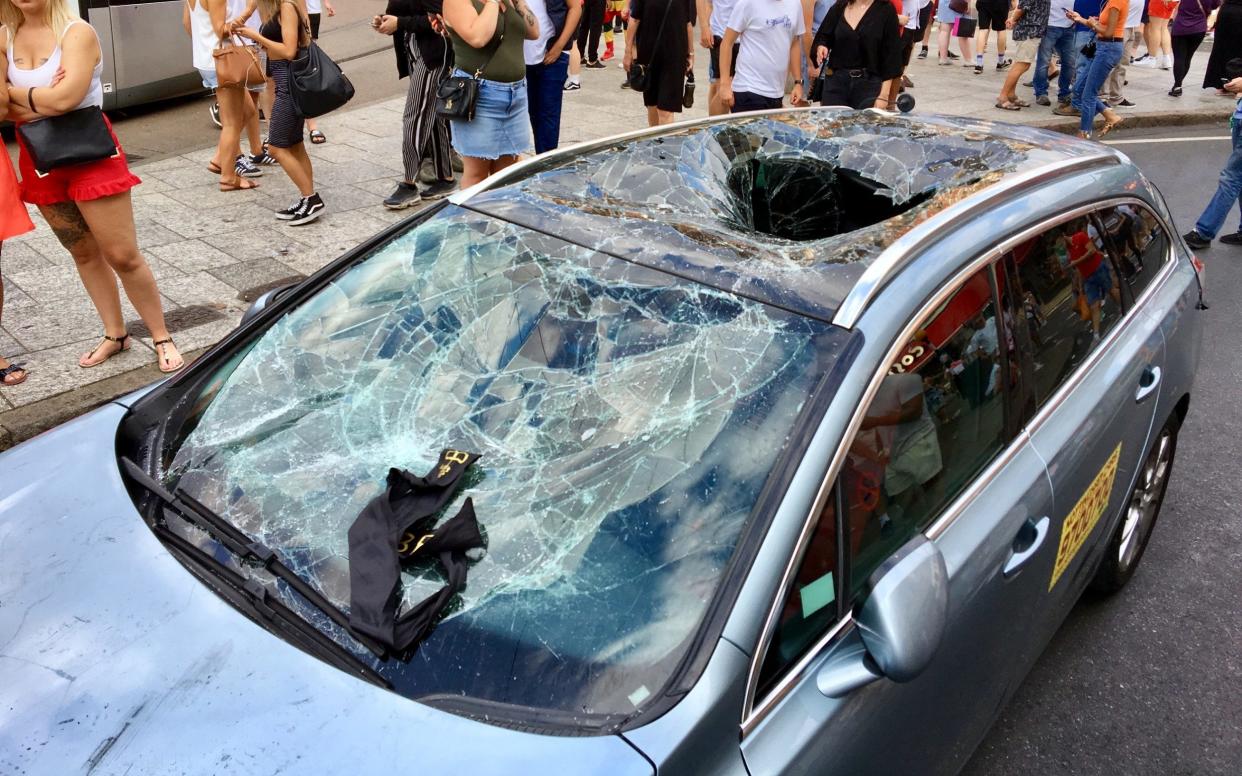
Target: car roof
x,y
810,210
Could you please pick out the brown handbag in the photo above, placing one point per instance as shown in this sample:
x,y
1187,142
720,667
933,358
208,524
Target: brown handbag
x,y
237,64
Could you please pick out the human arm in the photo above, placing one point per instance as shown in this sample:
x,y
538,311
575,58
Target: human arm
x,y
631,35
532,24
821,45
705,27
328,9
887,58
808,13
572,16
795,69
240,19
689,47
1234,86
80,54
185,17
476,28
724,90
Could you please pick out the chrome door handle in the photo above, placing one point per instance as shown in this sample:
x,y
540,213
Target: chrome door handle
x,y
1027,542
1148,383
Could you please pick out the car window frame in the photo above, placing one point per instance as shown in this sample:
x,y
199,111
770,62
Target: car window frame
x,y
754,708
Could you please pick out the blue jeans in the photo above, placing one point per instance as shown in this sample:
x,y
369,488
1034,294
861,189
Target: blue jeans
x,y
1081,38
1058,40
545,86
1228,191
1107,55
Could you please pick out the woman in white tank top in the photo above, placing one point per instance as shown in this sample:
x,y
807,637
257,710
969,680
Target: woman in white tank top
x,y
53,64
208,21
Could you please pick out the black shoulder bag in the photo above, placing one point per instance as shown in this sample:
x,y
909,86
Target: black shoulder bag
x,y
456,95
316,83
639,77
77,137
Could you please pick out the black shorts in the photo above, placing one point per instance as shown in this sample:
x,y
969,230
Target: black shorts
x,y
992,14
713,62
314,20
744,101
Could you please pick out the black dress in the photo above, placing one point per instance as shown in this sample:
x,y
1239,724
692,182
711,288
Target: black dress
x,y
1226,45
668,56
861,58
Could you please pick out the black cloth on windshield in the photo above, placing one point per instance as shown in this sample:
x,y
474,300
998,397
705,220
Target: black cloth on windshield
x,y
397,526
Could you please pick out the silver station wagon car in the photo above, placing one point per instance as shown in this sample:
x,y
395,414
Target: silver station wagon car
x,y
776,443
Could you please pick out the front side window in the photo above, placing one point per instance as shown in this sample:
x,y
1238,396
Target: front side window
x,y
935,423
627,421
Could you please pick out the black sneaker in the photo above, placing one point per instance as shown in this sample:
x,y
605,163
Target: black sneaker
x,y
288,214
1196,240
572,86
404,196
214,110
312,206
1003,65
978,69
263,158
1232,239
923,53
439,189
246,168
1123,103
595,65
1043,100
953,56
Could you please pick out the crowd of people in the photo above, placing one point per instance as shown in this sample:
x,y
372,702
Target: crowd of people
x,y
515,60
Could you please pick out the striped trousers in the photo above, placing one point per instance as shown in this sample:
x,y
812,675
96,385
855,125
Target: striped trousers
x,y
424,134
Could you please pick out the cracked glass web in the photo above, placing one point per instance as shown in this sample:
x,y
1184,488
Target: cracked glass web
x,y
627,420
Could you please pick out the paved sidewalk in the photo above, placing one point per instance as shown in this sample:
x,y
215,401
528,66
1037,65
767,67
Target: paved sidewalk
x,y
213,252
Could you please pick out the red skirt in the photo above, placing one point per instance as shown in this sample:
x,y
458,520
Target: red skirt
x,y
14,219
78,182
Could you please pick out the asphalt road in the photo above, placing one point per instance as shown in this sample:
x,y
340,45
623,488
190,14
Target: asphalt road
x,y
173,127
1150,681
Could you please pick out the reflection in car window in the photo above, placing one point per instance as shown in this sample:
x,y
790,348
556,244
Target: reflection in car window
x,y
935,422
627,420
1139,245
1070,298
810,607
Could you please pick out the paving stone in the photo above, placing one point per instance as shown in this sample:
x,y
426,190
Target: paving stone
x,y
258,243
55,370
208,196
45,284
9,346
248,274
200,288
67,319
21,257
193,255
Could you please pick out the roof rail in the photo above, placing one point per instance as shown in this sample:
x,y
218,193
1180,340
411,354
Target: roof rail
x,y
905,248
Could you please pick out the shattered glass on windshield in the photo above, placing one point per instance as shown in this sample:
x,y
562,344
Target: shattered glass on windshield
x,y
751,204
627,422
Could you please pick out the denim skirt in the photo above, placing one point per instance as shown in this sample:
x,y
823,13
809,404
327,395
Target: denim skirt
x,y
501,124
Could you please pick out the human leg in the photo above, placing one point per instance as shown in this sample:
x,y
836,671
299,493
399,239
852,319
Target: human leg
x,y
1228,191
545,99
1046,48
1064,47
942,42
593,23
233,102
75,235
111,221
1102,64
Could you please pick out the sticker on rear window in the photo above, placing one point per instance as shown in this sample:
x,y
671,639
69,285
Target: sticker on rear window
x,y
817,595
1085,514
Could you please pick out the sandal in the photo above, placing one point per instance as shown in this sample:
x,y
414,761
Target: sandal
x,y
1109,126
166,364
213,168
241,184
12,370
85,361
317,137
1008,105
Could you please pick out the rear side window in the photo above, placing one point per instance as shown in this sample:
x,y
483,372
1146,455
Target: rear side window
x,y
1070,297
1138,243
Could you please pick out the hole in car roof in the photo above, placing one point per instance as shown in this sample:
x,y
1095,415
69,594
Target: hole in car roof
x,y
676,202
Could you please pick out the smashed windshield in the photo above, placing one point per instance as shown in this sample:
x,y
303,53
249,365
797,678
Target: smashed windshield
x,y
627,422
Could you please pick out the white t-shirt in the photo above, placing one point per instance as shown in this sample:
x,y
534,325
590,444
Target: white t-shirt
x,y
766,30
314,6
1056,13
911,9
1134,15
235,7
985,339
535,50
721,9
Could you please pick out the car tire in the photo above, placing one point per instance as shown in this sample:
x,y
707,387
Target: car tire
x,y
1127,544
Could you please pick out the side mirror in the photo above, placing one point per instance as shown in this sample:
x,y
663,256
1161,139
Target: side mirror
x,y
900,624
264,300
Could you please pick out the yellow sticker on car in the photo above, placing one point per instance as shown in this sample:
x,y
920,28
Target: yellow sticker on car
x,y
1086,513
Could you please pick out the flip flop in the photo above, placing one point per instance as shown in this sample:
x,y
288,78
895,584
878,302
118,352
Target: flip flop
x,y
13,370
238,186
317,137
1021,103
1007,105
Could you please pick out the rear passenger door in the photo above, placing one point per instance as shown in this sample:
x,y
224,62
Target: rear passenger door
x,y
1096,367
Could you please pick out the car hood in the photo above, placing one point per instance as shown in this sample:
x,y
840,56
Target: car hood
x,y
115,659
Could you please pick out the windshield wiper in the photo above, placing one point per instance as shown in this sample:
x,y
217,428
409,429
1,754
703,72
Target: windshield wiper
x,y
237,542
255,600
